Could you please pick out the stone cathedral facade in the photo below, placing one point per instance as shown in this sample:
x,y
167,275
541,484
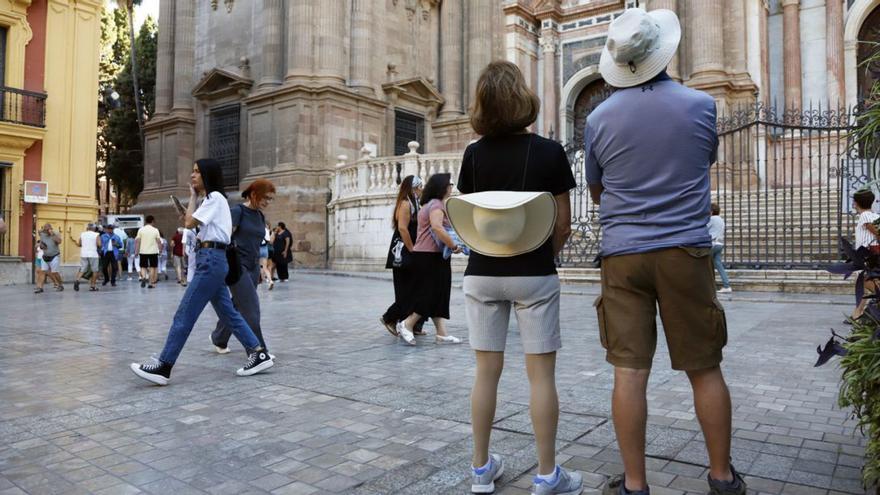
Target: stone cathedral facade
x,y
288,89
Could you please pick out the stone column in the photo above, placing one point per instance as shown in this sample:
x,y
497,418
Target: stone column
x,y
451,34
300,45
834,52
764,15
735,37
706,25
165,58
549,104
673,69
479,25
272,43
329,38
791,34
361,23
184,43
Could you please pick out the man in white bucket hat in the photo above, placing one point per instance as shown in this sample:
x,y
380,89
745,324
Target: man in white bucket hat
x,y
648,149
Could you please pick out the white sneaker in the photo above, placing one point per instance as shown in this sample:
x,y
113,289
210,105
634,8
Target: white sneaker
x,y
220,350
405,333
448,339
725,290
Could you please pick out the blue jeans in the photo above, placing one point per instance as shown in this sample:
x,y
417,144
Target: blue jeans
x,y
719,265
208,285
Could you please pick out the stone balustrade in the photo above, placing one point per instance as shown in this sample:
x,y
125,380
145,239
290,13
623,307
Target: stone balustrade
x,y
363,198
372,177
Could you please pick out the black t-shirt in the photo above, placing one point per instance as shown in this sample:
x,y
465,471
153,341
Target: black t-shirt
x,y
497,164
250,230
278,246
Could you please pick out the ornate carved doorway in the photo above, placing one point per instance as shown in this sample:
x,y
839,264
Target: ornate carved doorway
x,y
591,96
869,37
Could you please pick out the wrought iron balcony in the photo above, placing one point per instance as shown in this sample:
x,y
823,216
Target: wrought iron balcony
x,y
20,106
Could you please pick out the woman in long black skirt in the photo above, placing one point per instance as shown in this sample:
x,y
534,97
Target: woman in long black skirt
x,y
433,273
405,224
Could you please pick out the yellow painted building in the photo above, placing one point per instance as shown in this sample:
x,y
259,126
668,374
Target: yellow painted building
x,y
48,118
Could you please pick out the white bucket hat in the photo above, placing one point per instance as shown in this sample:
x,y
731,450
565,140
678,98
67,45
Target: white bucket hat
x,y
503,223
640,45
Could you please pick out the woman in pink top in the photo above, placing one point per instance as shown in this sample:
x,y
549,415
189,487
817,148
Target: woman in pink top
x,y
433,272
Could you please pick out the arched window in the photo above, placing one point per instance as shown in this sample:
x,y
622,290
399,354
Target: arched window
x,y
869,43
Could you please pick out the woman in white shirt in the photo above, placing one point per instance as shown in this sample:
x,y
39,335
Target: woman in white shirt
x,y
209,282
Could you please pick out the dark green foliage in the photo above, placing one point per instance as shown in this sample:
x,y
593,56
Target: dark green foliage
x,y
119,141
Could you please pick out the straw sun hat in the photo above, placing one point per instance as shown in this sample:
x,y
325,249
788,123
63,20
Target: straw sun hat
x,y
503,223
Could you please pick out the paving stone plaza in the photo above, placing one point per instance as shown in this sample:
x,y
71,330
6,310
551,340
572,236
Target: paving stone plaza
x,y
347,409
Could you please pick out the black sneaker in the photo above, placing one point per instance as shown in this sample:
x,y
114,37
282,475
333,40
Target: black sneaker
x,y
151,286
158,373
38,291
112,284
257,361
104,283
76,285
143,283
735,487
616,486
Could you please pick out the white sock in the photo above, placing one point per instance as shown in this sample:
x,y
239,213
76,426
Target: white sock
x,y
488,463
548,477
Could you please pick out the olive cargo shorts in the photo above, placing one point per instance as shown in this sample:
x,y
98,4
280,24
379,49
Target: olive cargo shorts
x,y
679,280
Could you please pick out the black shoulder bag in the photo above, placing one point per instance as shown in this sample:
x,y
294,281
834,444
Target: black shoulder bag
x,y
234,273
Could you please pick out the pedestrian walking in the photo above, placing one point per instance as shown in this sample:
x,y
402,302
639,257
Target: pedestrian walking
x,y
208,284
265,257
405,224
716,232
190,241
283,255
434,272
89,244
865,237
49,242
248,232
515,216
656,248
163,257
121,260
110,245
177,253
147,247
132,255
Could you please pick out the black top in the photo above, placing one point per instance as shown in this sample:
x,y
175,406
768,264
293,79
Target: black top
x,y
413,228
497,164
280,237
250,228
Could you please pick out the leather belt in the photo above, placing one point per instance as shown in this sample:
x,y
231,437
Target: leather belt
x,y
212,245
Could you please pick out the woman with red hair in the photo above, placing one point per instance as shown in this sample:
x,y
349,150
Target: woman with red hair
x,y
248,231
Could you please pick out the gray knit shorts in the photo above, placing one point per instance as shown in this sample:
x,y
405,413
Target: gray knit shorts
x,y
535,301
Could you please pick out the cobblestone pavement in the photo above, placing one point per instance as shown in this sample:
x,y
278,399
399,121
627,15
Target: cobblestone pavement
x,y
349,410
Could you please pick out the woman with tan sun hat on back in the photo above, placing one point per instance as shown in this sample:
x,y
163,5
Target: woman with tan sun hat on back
x,y
514,216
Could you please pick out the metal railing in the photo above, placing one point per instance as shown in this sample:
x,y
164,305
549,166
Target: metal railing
x,y
20,106
783,181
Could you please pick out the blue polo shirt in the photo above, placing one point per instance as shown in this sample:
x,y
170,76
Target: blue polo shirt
x,y
651,147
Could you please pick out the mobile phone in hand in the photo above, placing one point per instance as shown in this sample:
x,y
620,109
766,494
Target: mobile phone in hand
x,y
178,205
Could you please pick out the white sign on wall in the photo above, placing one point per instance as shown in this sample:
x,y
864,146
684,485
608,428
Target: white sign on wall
x,y
36,191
